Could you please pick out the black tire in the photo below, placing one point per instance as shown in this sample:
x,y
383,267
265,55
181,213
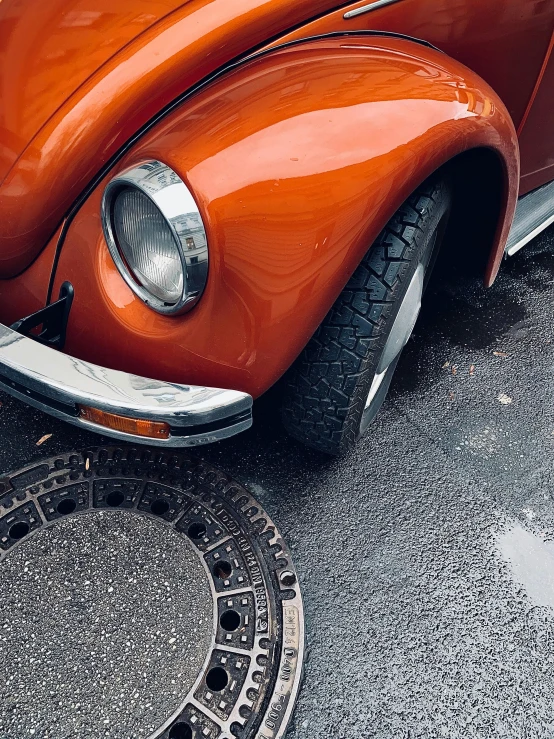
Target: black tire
x,y
326,390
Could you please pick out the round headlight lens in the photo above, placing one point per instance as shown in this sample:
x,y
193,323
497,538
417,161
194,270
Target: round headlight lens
x,y
156,236
147,244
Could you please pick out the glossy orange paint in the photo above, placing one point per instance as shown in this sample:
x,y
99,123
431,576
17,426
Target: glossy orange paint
x,y
537,134
79,77
297,160
70,99
48,49
503,41
20,296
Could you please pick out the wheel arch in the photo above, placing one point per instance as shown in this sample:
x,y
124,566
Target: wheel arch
x,y
298,159
477,229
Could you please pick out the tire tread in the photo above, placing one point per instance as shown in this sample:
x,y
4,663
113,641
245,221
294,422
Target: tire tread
x,y
320,388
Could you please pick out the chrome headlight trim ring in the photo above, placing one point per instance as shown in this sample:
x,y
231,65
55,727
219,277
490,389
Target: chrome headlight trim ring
x,y
176,204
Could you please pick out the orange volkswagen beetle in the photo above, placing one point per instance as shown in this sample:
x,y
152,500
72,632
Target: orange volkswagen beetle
x,y
200,197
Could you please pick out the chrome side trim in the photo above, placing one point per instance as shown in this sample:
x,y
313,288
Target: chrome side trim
x,y
520,244
56,383
534,213
368,8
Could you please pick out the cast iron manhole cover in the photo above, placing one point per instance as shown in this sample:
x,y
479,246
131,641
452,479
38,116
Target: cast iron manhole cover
x,y
143,594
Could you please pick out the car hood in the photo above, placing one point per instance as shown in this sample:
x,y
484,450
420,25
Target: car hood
x,y
49,49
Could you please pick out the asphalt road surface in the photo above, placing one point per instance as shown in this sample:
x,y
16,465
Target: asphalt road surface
x,y
427,554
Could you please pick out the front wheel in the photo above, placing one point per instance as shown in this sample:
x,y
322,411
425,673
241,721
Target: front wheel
x,y
339,382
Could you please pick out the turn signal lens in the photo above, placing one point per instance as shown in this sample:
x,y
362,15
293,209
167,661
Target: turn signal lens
x,y
134,426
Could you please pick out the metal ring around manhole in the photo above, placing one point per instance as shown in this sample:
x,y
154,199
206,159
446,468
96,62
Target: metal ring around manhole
x,y
250,675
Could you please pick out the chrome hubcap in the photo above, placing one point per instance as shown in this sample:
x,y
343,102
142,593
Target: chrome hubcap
x,y
401,331
375,385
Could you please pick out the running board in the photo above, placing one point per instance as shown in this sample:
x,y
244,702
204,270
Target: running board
x,y
534,213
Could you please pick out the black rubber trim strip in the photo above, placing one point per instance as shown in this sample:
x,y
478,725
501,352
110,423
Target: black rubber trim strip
x,y
176,103
67,408
208,428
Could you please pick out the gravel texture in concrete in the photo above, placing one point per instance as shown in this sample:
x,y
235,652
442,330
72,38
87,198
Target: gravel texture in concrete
x,y
425,554
105,622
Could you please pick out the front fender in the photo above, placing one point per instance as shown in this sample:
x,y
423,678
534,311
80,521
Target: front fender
x,y
54,141
297,159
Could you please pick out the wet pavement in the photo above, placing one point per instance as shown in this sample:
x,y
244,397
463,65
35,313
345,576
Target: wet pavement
x,y
427,554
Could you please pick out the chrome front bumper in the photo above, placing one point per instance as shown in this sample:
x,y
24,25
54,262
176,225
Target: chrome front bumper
x,y
57,384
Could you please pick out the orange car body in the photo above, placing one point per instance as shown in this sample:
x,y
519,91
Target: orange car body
x,y
300,127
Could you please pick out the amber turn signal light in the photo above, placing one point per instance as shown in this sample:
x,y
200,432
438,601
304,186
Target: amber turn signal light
x,y
124,424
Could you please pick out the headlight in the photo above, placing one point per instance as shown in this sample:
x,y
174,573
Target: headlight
x,y
156,236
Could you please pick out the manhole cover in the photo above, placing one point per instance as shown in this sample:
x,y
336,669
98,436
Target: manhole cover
x,y
143,594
